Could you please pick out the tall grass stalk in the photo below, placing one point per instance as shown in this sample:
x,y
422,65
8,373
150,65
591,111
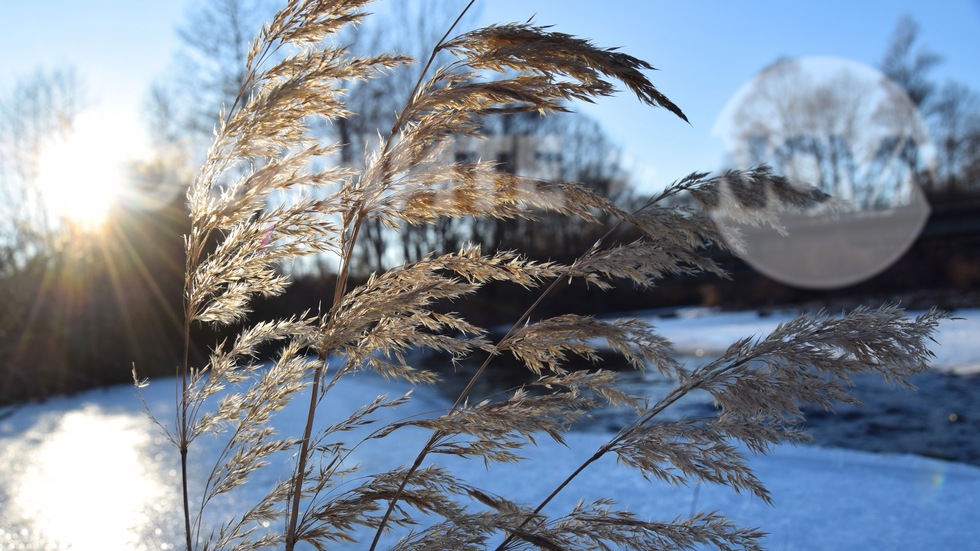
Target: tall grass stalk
x,y
264,150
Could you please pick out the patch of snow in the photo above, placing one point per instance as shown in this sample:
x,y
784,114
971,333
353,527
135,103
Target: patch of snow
x,y
708,332
79,461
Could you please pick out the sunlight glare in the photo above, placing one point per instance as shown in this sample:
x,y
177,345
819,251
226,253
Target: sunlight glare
x,y
87,484
82,175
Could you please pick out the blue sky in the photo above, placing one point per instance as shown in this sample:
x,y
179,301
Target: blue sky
x,y
705,52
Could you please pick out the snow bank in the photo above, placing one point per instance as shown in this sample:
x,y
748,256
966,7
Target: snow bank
x,y
92,472
708,332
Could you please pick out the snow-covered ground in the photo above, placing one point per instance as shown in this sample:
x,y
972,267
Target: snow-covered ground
x,y
707,331
92,472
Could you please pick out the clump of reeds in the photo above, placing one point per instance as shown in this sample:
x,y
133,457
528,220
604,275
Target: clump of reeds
x,y
263,148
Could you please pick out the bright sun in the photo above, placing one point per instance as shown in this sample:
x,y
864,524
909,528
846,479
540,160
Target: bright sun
x,y
81,175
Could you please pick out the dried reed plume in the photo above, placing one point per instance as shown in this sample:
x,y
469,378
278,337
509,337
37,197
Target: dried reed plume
x,y
239,239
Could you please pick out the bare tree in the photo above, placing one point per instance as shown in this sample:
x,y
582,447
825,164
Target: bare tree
x,y
206,73
35,261
855,135
569,147
908,66
956,134
408,28
952,110
36,111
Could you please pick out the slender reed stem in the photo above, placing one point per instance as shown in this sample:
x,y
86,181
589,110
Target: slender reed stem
x,y
399,121
671,398
183,435
479,373
299,477
436,435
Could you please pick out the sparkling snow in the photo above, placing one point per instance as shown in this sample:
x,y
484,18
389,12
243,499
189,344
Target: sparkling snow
x,y
92,472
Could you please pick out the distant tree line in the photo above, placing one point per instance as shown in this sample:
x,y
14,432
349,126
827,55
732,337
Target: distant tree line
x,y
77,313
862,138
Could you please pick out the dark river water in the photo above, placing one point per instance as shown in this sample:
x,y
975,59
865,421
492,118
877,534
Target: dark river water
x,y
940,418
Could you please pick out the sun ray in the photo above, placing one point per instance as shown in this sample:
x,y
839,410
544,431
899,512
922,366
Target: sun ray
x,y
81,174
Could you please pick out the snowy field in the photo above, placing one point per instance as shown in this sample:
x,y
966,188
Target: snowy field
x,y
92,472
